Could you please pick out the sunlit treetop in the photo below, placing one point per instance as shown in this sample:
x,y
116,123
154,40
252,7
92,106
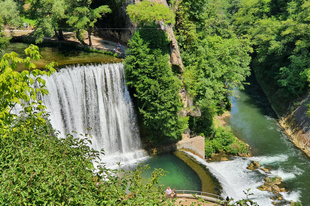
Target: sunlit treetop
x,y
146,12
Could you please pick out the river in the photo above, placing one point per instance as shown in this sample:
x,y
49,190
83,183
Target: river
x,y
253,120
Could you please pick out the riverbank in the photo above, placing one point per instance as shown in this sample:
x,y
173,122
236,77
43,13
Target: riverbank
x,y
98,43
293,119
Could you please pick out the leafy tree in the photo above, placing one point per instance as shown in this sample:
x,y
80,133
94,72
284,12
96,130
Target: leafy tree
x,y
49,16
115,19
146,12
215,59
4,41
18,86
156,89
84,17
38,168
9,13
279,38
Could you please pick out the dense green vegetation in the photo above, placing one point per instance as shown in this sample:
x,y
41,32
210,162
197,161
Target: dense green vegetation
x,y
3,41
215,62
149,73
278,33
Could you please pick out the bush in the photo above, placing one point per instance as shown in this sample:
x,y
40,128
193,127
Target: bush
x,y
209,150
223,140
38,168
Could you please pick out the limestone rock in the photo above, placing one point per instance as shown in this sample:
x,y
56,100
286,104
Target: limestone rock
x,y
256,164
189,109
264,169
275,188
251,167
224,159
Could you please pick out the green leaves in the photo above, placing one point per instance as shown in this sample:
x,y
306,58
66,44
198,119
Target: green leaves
x,y
156,89
9,13
16,87
146,12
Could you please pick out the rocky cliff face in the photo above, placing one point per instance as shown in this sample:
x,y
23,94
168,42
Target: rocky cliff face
x,y
175,57
297,125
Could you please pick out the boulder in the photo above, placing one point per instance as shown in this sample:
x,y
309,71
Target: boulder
x,y
224,159
275,188
256,164
251,167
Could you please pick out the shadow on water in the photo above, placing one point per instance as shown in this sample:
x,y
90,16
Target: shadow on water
x,y
258,98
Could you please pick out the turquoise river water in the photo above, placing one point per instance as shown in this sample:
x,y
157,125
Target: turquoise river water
x,y
253,120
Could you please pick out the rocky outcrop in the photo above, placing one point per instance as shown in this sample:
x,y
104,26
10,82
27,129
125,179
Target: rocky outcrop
x,y
253,166
297,125
189,109
125,35
272,185
195,145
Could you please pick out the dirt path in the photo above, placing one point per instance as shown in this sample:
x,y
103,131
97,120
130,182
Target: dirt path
x,y
97,42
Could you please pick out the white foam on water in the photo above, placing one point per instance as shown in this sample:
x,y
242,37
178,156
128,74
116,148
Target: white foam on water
x,y
269,118
270,128
286,175
267,160
235,179
291,196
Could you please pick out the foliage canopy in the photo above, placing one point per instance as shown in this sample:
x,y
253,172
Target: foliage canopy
x,y
156,89
146,12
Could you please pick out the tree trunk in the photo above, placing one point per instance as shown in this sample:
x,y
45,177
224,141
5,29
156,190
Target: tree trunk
x,y
56,34
89,37
59,35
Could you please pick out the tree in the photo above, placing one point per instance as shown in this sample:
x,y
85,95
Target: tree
x,y
84,17
156,89
50,16
9,13
146,12
4,41
38,168
16,87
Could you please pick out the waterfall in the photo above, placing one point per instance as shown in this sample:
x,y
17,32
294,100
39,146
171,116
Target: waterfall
x,y
96,97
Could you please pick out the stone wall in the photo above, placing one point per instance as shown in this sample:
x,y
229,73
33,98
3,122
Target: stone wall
x,y
195,145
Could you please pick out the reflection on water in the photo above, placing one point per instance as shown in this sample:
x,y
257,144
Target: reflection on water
x,y
63,55
180,176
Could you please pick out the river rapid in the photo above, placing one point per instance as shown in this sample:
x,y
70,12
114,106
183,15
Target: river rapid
x,y
253,120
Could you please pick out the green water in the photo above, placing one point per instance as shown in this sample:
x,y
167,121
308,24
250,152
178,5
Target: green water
x,y
63,55
254,121
180,176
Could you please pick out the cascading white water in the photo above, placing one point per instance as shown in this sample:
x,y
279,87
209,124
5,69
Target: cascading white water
x,y
235,178
95,97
